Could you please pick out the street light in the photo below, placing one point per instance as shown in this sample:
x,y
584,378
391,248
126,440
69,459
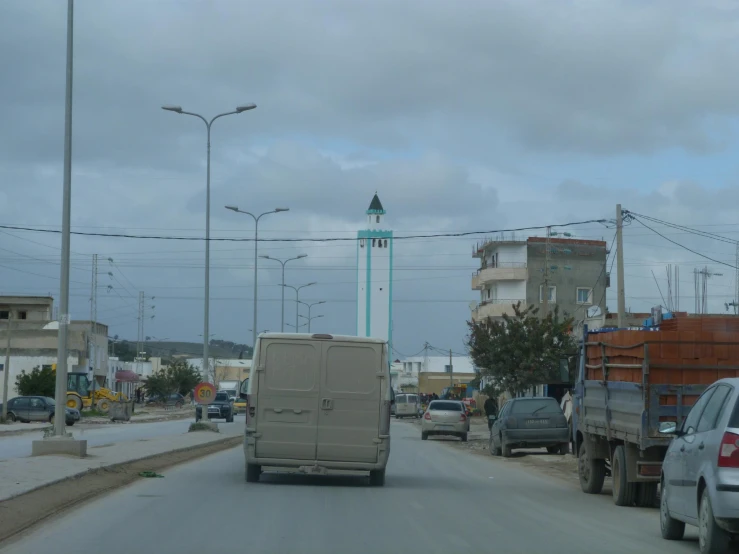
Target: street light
x,y
309,308
296,328
208,125
282,326
256,242
311,319
297,300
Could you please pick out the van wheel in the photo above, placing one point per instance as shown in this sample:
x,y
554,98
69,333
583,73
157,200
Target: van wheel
x,y
624,493
253,473
377,478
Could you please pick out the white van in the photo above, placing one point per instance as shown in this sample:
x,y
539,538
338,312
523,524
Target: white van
x,y
407,405
317,403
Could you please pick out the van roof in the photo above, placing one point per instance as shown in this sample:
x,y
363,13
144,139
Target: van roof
x,y
321,336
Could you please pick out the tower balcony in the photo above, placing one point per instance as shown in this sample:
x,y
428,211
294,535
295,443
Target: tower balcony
x,y
505,271
495,308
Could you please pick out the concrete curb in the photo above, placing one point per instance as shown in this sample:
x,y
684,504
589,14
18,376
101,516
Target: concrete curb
x,y
82,421
122,473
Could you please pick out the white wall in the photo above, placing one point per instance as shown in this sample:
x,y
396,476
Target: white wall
x,y
26,363
380,292
436,364
362,286
511,290
509,254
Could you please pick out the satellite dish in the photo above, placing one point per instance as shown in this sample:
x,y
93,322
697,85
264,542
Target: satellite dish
x,y
472,305
594,311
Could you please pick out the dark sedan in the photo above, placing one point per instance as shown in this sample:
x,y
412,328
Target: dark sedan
x,y
530,423
37,409
222,407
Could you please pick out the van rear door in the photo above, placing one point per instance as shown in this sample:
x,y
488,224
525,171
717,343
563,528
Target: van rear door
x,y
288,385
352,387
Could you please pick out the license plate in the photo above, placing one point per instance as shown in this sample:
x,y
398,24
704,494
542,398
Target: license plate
x,y
446,426
536,421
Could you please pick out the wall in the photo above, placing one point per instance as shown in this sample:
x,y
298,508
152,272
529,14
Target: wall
x,y
510,254
587,262
505,290
374,272
429,383
26,363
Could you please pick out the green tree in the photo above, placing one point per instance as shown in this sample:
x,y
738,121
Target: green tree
x,y
177,377
41,381
522,350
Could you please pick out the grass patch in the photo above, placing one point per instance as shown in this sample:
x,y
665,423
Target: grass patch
x,y
200,426
93,413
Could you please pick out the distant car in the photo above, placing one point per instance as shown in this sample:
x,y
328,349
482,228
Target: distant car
x,y
700,472
175,399
222,407
38,408
240,405
445,417
530,423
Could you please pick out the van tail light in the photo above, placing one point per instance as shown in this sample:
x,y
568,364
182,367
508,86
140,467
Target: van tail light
x,y
427,416
463,417
728,454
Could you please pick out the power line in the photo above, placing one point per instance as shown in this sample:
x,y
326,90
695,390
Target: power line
x,y
328,239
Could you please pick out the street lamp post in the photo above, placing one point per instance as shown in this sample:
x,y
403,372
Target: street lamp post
x,y
256,244
309,318
297,300
208,125
282,325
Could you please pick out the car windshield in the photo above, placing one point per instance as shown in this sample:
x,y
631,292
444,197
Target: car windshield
x,y
535,405
221,397
446,406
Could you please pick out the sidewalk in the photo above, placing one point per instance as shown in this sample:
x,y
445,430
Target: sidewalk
x,y
22,475
149,416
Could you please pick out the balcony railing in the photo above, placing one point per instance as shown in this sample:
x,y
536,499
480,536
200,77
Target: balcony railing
x,y
496,308
506,271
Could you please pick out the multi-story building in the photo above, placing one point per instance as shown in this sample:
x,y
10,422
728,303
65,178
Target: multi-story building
x,y
513,271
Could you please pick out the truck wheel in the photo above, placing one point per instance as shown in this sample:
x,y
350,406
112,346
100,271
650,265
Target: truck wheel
x,y
711,538
377,478
253,473
624,493
74,401
672,529
592,473
505,450
103,405
646,495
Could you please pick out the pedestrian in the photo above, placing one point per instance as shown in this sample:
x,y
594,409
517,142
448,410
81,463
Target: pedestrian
x,y
491,409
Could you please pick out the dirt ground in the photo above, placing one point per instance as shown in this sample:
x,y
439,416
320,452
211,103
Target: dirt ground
x,y
22,512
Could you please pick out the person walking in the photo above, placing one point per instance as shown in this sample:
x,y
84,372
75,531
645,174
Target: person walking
x,y
491,409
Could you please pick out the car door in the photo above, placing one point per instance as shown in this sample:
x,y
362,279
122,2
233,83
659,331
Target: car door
x,y
498,424
286,404
19,406
352,386
37,410
681,488
701,450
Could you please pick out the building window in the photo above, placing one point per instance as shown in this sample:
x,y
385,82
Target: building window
x,y
361,243
4,314
584,295
379,243
22,315
373,242
447,368
377,219
385,243
552,293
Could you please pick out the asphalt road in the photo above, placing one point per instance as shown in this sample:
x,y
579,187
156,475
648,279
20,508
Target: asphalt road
x,y
437,499
19,446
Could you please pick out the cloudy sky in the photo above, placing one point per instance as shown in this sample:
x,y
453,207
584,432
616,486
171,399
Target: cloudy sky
x,y
470,115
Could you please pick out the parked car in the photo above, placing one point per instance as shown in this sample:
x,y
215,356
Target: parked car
x,y
222,407
700,473
445,417
407,405
175,399
38,408
532,422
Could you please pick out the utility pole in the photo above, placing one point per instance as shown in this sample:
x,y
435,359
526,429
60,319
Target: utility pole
x,y
140,336
93,317
6,368
545,292
620,267
451,370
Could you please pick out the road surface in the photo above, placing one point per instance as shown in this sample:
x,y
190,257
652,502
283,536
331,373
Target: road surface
x,y
437,499
19,446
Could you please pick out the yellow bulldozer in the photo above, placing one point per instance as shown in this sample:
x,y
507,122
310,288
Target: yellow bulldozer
x,y
80,394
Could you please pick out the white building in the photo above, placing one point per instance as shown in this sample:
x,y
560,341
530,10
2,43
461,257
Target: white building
x,y
375,276
410,368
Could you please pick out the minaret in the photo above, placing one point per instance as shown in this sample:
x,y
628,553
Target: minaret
x,y
375,276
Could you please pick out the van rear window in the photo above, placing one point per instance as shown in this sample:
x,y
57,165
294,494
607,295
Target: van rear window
x,y
401,399
412,398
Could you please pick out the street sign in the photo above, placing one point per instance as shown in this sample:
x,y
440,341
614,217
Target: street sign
x,y
205,393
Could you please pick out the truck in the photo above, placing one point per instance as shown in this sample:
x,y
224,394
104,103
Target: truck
x,y
231,387
630,380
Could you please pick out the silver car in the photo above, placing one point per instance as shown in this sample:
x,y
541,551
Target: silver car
x,y
445,417
700,472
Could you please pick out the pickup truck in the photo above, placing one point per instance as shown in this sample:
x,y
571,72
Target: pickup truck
x,y
628,382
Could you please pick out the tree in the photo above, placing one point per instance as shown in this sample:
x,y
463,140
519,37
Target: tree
x,y
177,377
522,350
40,382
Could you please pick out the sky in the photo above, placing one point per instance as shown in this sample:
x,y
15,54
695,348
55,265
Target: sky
x,y
466,116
